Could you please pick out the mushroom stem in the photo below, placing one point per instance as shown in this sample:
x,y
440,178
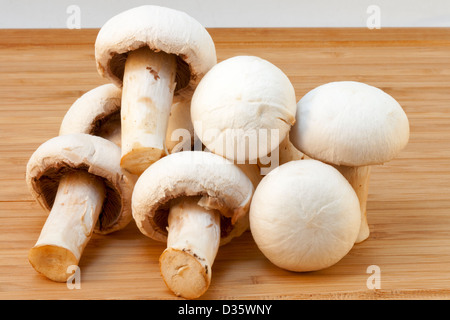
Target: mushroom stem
x,y
359,177
288,152
147,94
192,245
69,226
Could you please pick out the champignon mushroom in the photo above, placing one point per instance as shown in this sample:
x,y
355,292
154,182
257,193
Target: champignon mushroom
x,y
195,201
352,126
97,112
304,216
242,108
154,53
78,180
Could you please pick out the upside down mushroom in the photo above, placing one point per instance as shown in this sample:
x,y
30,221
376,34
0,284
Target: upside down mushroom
x,y
194,201
78,180
154,53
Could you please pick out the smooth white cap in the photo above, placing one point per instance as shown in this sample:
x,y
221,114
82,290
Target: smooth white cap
x,y
161,29
220,184
304,216
236,99
95,155
350,123
90,111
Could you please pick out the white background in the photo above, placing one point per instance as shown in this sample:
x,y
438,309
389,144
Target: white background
x,y
235,13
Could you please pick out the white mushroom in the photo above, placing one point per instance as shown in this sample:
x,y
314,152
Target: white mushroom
x,y
304,216
78,180
97,112
243,108
195,201
154,53
352,126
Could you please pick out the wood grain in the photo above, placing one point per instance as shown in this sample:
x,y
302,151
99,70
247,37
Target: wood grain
x,y
42,72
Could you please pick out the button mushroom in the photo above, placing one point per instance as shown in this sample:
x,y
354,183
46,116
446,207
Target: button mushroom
x,y
195,201
304,216
97,112
243,108
351,125
78,180
154,53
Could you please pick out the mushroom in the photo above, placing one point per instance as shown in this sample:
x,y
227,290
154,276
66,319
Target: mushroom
x,y
242,108
97,112
352,126
78,180
153,53
304,216
196,201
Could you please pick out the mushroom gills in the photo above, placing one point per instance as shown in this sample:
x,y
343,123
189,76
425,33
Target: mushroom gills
x,y
192,244
69,226
359,177
147,95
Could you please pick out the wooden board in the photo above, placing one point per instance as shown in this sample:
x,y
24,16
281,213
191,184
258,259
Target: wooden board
x,y
42,72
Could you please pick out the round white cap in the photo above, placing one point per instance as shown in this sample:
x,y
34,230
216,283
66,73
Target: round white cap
x,y
304,216
243,100
161,29
350,123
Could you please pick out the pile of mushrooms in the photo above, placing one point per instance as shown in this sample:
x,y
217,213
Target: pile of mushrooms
x,y
198,152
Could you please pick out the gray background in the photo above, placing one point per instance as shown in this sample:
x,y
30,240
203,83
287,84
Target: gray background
x,y
235,13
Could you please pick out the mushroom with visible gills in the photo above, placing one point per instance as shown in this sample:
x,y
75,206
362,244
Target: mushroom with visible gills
x,y
352,126
97,112
304,216
195,201
243,108
78,180
153,53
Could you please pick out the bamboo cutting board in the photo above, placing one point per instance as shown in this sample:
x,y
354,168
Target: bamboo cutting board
x,y
42,72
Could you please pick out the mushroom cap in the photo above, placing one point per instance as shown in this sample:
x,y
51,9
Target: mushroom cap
x,y
304,216
93,154
161,29
220,184
350,123
90,112
243,97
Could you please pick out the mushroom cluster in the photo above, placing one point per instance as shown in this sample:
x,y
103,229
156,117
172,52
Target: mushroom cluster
x,y
198,152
